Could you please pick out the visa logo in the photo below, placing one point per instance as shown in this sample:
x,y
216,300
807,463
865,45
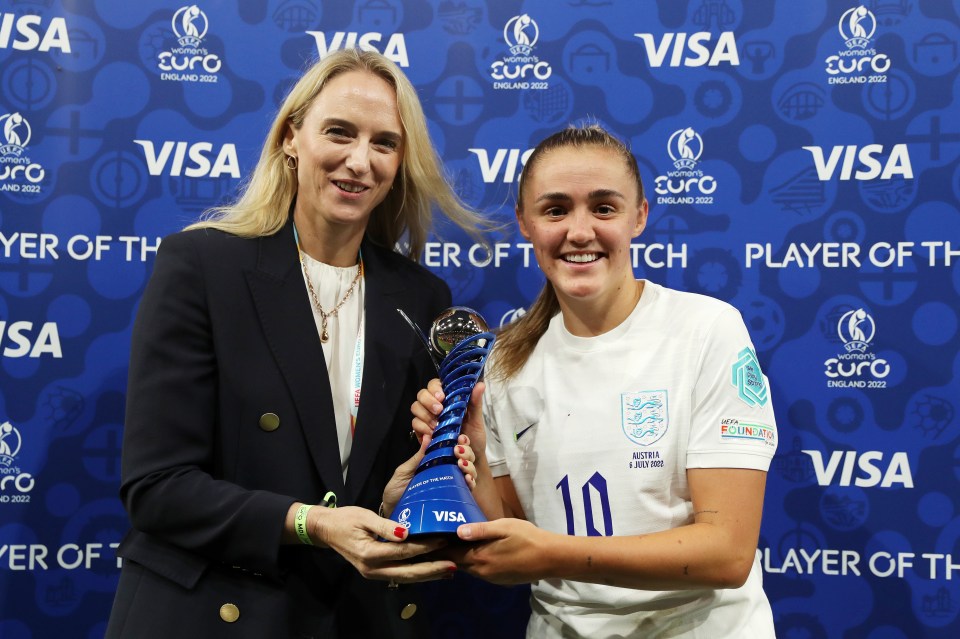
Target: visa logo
x,y
505,162
45,342
724,51
449,515
199,164
28,29
872,469
395,50
897,164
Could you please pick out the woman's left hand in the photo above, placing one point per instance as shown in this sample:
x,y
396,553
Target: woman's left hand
x,y
404,473
504,551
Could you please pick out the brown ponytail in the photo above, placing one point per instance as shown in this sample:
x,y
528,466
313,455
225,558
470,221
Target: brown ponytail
x,y
516,341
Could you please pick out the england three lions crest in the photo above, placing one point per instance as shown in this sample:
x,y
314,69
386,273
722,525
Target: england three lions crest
x,y
644,416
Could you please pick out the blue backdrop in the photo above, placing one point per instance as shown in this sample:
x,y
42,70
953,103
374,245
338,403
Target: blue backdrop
x,y
800,160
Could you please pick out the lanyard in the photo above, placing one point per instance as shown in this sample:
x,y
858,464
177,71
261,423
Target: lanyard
x,y
356,367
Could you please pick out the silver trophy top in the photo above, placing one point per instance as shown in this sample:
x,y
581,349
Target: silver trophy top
x,y
452,326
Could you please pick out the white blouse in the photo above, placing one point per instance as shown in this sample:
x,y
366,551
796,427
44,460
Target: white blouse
x,y
331,283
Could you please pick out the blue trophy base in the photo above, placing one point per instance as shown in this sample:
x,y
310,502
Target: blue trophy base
x,y
437,501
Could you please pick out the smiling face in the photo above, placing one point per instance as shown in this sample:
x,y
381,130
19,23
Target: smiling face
x,y
581,209
348,150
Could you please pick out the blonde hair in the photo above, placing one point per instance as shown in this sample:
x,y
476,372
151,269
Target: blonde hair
x,y
265,198
516,341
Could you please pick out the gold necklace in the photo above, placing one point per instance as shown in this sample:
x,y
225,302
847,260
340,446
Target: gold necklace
x,y
324,316
324,333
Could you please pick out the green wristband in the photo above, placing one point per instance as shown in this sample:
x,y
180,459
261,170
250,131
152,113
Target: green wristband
x,y
300,524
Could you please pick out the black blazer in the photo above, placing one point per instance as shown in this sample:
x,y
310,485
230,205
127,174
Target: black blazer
x,y
225,335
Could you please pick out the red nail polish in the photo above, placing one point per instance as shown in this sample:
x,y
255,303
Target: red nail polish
x,y
461,449
400,531
452,569
463,462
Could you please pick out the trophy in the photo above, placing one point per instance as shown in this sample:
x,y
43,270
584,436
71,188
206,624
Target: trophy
x,y
437,499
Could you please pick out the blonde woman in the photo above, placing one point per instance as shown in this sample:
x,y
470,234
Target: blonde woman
x,y
270,376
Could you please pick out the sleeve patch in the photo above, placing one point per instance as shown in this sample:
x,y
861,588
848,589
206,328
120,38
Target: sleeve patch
x,y
734,430
748,379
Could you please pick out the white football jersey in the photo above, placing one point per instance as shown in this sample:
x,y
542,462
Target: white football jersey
x,y
597,435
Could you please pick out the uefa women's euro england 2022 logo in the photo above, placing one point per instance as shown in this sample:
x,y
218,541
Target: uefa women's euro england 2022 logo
x,y
686,183
15,485
522,69
18,174
857,367
858,62
189,61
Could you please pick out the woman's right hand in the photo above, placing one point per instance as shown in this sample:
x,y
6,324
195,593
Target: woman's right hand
x,y
429,404
397,484
355,533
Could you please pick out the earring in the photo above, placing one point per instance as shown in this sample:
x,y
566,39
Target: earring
x,y
291,162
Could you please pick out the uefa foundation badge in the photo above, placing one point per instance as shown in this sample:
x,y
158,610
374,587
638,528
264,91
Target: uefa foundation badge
x,y
190,61
521,69
18,174
858,62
